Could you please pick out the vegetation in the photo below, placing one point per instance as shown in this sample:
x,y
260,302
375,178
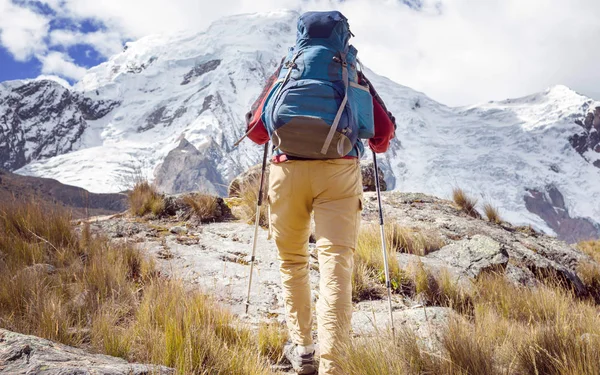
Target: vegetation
x,y
247,197
369,277
83,290
509,330
144,200
589,272
55,283
465,202
491,212
203,206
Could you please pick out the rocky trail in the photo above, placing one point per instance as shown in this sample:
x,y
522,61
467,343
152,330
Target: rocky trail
x,y
214,257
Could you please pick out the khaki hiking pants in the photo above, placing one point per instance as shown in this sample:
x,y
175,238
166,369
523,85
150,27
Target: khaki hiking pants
x,y
332,189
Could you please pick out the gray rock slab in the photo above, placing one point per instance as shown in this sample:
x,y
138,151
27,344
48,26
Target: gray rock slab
x,y
22,354
473,256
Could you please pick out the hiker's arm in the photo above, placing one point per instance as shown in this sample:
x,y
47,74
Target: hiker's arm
x,y
384,128
255,127
385,123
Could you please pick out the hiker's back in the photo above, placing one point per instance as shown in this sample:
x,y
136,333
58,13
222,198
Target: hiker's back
x,y
318,109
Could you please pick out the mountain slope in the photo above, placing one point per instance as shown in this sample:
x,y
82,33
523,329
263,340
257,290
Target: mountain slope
x,y
196,88
79,202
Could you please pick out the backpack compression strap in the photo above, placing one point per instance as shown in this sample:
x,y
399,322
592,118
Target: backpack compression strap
x,y
338,115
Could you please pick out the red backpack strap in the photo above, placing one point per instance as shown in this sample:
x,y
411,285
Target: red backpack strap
x,y
255,128
385,123
365,81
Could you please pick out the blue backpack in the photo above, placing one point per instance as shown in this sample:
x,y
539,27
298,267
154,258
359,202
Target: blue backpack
x,y
317,109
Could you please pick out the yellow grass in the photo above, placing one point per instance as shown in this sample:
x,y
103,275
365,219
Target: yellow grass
x,y
491,212
83,290
369,277
248,198
271,341
144,200
204,207
511,330
465,202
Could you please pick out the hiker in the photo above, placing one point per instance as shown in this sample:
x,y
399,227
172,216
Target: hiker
x,y
315,108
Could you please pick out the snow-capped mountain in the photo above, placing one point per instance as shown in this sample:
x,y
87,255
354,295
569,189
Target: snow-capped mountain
x,y
173,106
42,119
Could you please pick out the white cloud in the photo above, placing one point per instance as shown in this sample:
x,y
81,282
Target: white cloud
x,y
106,43
22,31
62,65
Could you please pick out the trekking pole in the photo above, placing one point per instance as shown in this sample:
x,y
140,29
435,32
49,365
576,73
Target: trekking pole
x,y
257,221
383,247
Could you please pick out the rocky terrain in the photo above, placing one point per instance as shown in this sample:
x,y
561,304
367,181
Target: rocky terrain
x,y
214,256
22,354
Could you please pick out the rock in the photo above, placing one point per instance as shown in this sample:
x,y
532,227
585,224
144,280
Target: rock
x,y
587,142
463,260
179,230
187,169
22,354
185,209
550,206
368,177
473,256
427,323
533,257
252,174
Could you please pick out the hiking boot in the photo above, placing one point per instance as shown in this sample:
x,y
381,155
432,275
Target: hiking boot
x,y
303,364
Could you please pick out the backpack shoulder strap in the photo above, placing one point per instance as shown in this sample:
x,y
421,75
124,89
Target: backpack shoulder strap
x,y
338,115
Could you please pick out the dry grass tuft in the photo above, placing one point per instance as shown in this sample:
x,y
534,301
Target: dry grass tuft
x,y
57,285
381,355
465,202
369,266
589,271
369,277
491,212
247,199
412,241
509,330
144,200
204,207
271,341
591,248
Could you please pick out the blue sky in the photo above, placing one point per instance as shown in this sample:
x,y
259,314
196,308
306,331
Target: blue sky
x,y
83,55
458,52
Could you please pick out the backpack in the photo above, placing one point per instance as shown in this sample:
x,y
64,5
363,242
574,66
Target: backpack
x,y
317,109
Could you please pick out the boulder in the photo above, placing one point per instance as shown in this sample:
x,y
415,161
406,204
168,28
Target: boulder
x,y
427,323
368,176
473,256
22,354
